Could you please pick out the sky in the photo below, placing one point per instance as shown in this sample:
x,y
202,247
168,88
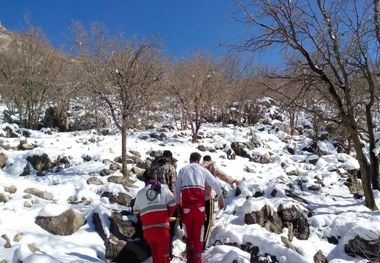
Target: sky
x,y
184,26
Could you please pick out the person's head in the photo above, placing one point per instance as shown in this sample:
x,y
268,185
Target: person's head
x,y
195,157
207,158
148,176
168,154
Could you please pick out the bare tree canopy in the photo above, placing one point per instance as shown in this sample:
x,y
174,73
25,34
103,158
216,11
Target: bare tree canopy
x,y
331,48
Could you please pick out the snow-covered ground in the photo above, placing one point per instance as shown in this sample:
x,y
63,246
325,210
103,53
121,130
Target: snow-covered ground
x,y
334,210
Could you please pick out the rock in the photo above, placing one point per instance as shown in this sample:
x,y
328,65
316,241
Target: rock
x,y
27,204
297,219
248,169
137,170
264,159
369,249
319,257
115,166
64,224
143,164
40,162
62,161
117,159
94,180
7,241
105,172
136,153
25,146
290,149
202,148
353,184
315,187
3,160
240,149
41,194
333,240
86,158
26,170
17,237
125,181
12,132
10,189
265,218
312,159
120,198
3,198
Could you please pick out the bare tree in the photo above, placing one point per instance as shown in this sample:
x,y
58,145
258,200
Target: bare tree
x,y
133,73
121,73
29,70
194,82
330,48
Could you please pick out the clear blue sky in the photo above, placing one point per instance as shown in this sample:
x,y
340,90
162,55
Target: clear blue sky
x,y
186,26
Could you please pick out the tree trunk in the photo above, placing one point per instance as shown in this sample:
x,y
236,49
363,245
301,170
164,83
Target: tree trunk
x,y
364,171
124,134
374,160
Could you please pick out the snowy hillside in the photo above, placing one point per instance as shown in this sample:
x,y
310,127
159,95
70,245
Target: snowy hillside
x,y
278,177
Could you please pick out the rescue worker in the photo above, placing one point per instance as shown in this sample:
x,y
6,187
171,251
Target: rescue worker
x,y
190,195
154,204
163,168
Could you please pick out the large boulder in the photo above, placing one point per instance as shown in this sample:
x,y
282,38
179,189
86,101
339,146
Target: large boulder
x,y
274,222
265,218
298,220
40,163
240,149
64,224
369,249
120,198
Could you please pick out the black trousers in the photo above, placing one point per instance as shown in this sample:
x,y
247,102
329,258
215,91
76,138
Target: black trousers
x,y
209,206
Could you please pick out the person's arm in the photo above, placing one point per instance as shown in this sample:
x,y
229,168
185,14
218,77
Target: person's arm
x,y
211,181
170,202
224,177
178,186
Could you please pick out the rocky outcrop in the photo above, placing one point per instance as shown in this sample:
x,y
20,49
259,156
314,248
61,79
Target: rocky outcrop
x,y
292,218
369,249
319,257
120,198
41,163
64,224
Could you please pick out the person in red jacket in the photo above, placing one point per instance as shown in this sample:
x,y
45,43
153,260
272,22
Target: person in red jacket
x,y
154,204
190,195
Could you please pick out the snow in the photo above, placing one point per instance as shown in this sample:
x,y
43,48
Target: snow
x,y
335,212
